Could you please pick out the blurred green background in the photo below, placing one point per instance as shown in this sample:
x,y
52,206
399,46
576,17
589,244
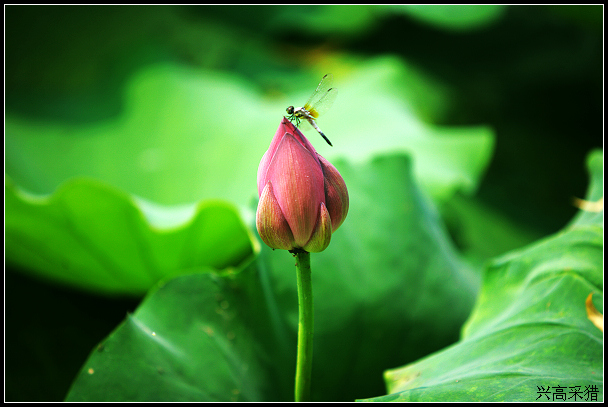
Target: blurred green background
x,y
499,105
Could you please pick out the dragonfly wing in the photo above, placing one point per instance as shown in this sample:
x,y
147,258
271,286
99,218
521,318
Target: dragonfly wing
x,y
322,88
323,104
304,125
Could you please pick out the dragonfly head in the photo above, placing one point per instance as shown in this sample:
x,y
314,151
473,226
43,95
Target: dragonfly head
x,y
290,110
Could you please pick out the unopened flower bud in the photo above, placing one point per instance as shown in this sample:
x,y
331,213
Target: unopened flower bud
x,y
303,198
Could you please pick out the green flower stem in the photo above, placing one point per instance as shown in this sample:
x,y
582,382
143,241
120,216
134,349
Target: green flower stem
x,y
305,327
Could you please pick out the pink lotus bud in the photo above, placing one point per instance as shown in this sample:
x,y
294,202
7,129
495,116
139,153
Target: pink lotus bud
x,y
303,198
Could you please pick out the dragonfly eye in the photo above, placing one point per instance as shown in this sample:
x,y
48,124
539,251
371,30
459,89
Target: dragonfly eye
x,y
290,110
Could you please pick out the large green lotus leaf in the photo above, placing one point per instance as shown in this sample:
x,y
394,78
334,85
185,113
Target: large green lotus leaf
x,y
188,134
90,235
529,333
184,135
389,278
198,337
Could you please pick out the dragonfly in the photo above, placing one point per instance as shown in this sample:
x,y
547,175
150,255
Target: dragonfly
x,y
319,102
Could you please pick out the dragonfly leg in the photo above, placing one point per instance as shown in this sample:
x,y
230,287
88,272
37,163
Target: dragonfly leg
x,y
293,118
